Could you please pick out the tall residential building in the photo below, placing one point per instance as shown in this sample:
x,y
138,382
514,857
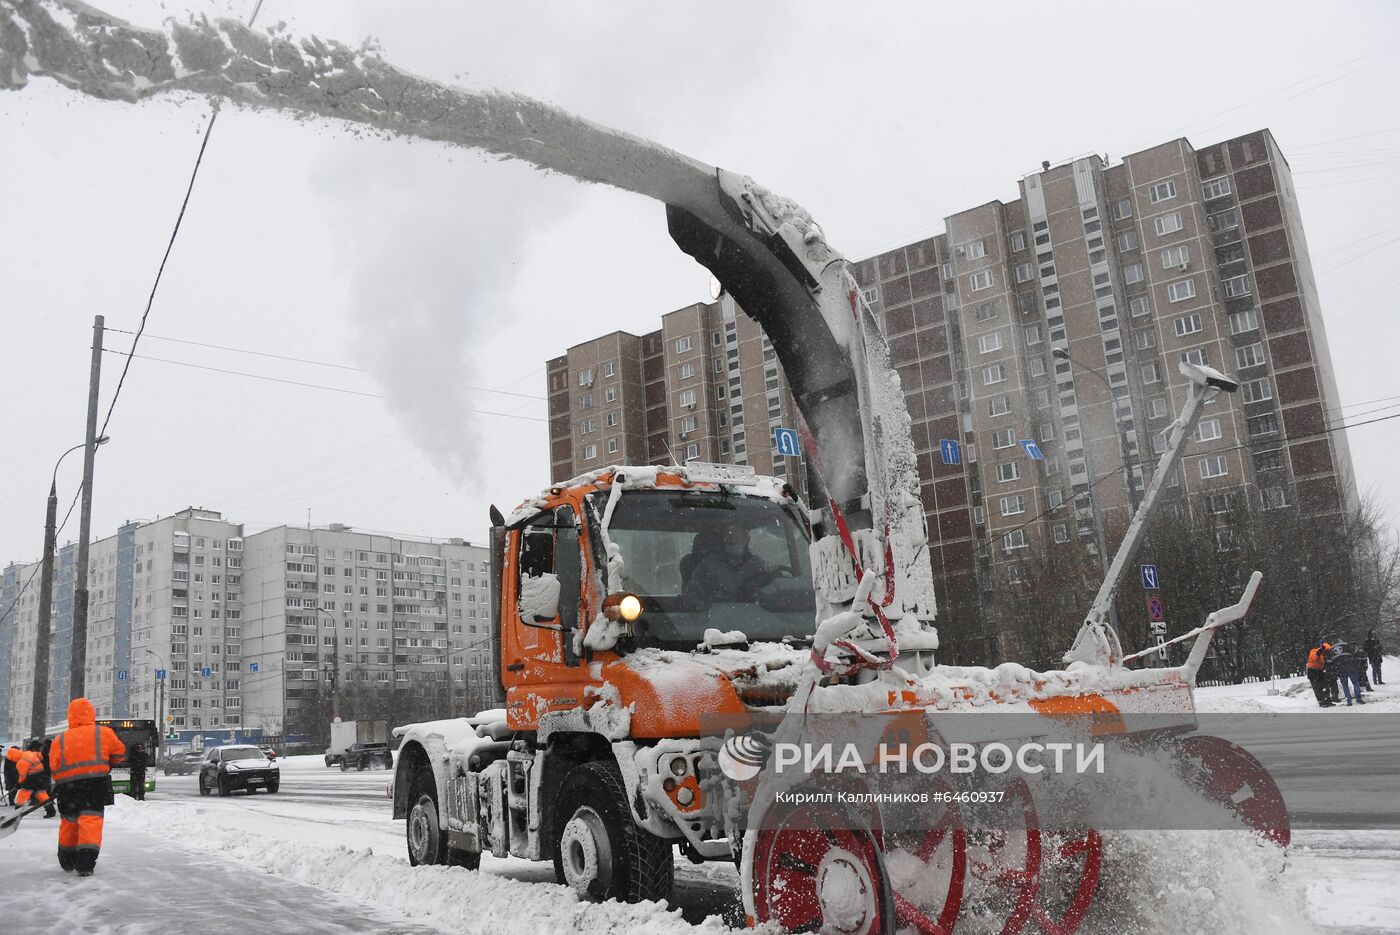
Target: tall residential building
x,y
706,386
1172,254
245,627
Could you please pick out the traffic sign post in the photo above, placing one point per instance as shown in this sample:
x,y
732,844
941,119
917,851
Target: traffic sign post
x,y
252,667
786,443
1156,609
1150,581
1032,450
121,675
1161,648
949,451
205,672
160,675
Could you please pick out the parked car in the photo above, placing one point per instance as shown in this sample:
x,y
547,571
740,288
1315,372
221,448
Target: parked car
x,y
240,766
367,756
181,762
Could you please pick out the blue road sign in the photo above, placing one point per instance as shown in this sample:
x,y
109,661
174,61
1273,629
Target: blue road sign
x,y
785,440
1032,450
121,675
1149,577
949,451
160,673
252,667
1156,609
205,672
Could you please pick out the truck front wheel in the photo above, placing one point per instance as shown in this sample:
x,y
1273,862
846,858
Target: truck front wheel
x,y
598,849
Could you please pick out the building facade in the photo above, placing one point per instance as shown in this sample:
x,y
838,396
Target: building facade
x,y
217,633
706,386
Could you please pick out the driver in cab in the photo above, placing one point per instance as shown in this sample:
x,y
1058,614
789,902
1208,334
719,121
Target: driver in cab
x,y
731,573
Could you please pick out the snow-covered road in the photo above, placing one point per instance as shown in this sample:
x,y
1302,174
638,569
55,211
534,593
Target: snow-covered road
x,y
323,855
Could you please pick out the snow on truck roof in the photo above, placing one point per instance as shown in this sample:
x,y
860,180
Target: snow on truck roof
x,y
650,477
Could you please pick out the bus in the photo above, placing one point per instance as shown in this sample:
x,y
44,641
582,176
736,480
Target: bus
x,y
129,732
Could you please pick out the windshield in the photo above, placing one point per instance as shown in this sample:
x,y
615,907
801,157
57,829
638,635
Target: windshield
x,y
702,559
242,753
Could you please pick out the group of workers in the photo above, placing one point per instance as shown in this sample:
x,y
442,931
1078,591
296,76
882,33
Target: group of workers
x,y
1340,664
70,774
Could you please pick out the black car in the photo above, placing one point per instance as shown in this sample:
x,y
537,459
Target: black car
x,y
181,763
367,756
241,766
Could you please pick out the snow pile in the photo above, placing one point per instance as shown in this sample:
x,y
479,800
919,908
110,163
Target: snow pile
x,y
1295,695
453,898
539,597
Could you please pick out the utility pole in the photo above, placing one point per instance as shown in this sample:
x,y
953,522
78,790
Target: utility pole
x,y
39,709
77,669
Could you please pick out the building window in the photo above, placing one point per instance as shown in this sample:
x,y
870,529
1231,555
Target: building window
x,y
1037,366
1018,241
609,368
1150,373
1010,506
1255,391
1144,339
610,395
684,344
1167,223
1132,273
610,419
688,398
585,401
1032,335
1042,399
1217,187
973,249
1208,430
1212,466
1251,356
585,376
993,374
1273,498
1198,357
1004,438
1047,431
998,406
587,427
689,424
1059,533
1139,306
589,453
1128,240
1176,256
612,446
982,279
1008,471
989,342
984,311
1236,286
1122,208
692,451
1015,539
1224,220
1181,290
1162,191
1221,503
1268,461
1241,322
1260,426
1187,324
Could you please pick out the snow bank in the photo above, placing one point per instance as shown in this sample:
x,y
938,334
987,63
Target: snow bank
x,y
1295,696
456,899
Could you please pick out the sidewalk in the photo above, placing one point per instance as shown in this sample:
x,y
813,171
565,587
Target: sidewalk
x,y
146,885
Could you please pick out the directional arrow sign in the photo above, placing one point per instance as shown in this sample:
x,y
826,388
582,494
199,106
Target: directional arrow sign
x,y
160,674
1150,581
949,451
205,672
1032,450
785,441
252,667
121,675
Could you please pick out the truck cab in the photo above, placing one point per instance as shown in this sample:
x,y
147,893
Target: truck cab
x,y
640,613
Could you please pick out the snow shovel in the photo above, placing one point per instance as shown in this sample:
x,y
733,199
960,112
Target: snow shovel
x,y
10,823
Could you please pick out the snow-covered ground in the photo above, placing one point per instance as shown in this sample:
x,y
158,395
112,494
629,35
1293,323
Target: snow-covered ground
x,y
323,855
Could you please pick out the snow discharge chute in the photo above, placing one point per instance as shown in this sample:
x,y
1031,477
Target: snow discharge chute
x,y
854,870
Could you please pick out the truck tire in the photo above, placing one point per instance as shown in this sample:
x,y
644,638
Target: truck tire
x,y
599,851
427,841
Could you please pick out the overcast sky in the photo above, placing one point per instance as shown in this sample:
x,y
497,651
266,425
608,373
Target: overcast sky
x,y
439,275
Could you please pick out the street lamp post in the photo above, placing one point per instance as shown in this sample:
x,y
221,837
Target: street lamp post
x,y
38,712
158,699
335,661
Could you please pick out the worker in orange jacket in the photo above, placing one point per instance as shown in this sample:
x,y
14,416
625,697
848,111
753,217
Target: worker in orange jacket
x,y
33,776
81,759
1317,677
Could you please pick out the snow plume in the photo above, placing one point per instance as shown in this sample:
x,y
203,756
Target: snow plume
x,y
434,283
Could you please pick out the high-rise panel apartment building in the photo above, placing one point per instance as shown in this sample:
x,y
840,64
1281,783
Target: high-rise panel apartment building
x,y
1129,268
246,629
706,386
